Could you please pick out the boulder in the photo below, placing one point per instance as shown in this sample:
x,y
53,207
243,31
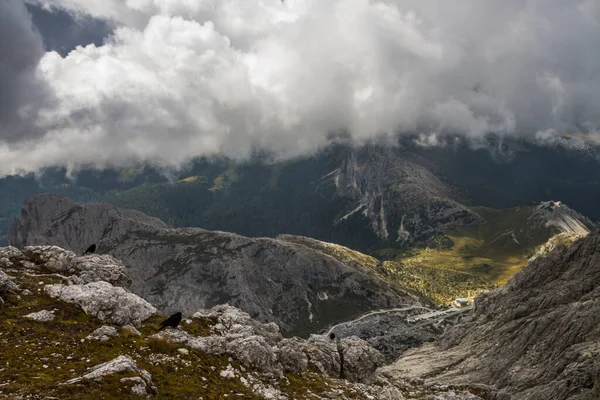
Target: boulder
x,y
99,267
103,334
215,345
52,257
81,270
129,330
323,355
41,316
9,255
291,355
104,301
254,352
121,364
6,284
360,360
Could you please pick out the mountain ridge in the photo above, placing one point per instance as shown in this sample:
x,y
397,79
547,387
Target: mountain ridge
x,y
191,268
536,337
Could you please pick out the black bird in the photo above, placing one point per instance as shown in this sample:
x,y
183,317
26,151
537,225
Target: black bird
x,y
172,321
90,249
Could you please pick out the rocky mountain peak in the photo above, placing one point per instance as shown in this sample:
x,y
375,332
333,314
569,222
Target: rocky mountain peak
x,y
559,216
535,338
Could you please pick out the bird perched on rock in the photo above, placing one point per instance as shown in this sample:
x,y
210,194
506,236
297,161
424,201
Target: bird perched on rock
x,y
173,321
90,249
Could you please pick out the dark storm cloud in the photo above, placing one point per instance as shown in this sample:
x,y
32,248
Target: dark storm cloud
x,y
21,91
63,32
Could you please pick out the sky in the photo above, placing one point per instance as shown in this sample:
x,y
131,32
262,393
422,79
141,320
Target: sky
x,y
111,82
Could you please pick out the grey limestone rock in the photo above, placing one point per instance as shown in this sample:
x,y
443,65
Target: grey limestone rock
x,y
81,270
235,323
41,316
360,360
103,334
213,344
129,330
120,364
254,352
108,303
99,267
323,355
7,285
139,387
291,355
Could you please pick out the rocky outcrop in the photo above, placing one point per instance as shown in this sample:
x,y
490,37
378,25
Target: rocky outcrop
x,y
104,301
392,332
260,347
190,269
254,352
360,360
142,380
223,354
79,270
235,323
291,355
560,217
535,338
323,355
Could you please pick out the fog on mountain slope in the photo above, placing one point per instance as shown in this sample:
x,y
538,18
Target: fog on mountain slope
x,y
177,79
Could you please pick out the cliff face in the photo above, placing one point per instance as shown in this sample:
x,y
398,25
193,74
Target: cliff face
x,y
301,288
536,338
403,201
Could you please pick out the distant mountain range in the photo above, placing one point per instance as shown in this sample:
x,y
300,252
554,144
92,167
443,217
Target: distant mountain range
x,y
368,198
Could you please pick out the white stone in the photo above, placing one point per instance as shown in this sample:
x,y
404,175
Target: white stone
x,y
103,334
104,301
41,316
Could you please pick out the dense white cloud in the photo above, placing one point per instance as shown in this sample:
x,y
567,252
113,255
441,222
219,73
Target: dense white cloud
x,y
179,78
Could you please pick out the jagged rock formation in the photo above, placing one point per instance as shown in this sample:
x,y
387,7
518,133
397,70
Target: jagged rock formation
x,y
535,338
562,218
218,353
300,288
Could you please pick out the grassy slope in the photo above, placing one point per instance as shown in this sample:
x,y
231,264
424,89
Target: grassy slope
x,y
489,251
37,356
438,285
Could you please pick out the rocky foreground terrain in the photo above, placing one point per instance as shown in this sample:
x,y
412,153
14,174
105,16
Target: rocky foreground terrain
x,y
538,337
71,329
